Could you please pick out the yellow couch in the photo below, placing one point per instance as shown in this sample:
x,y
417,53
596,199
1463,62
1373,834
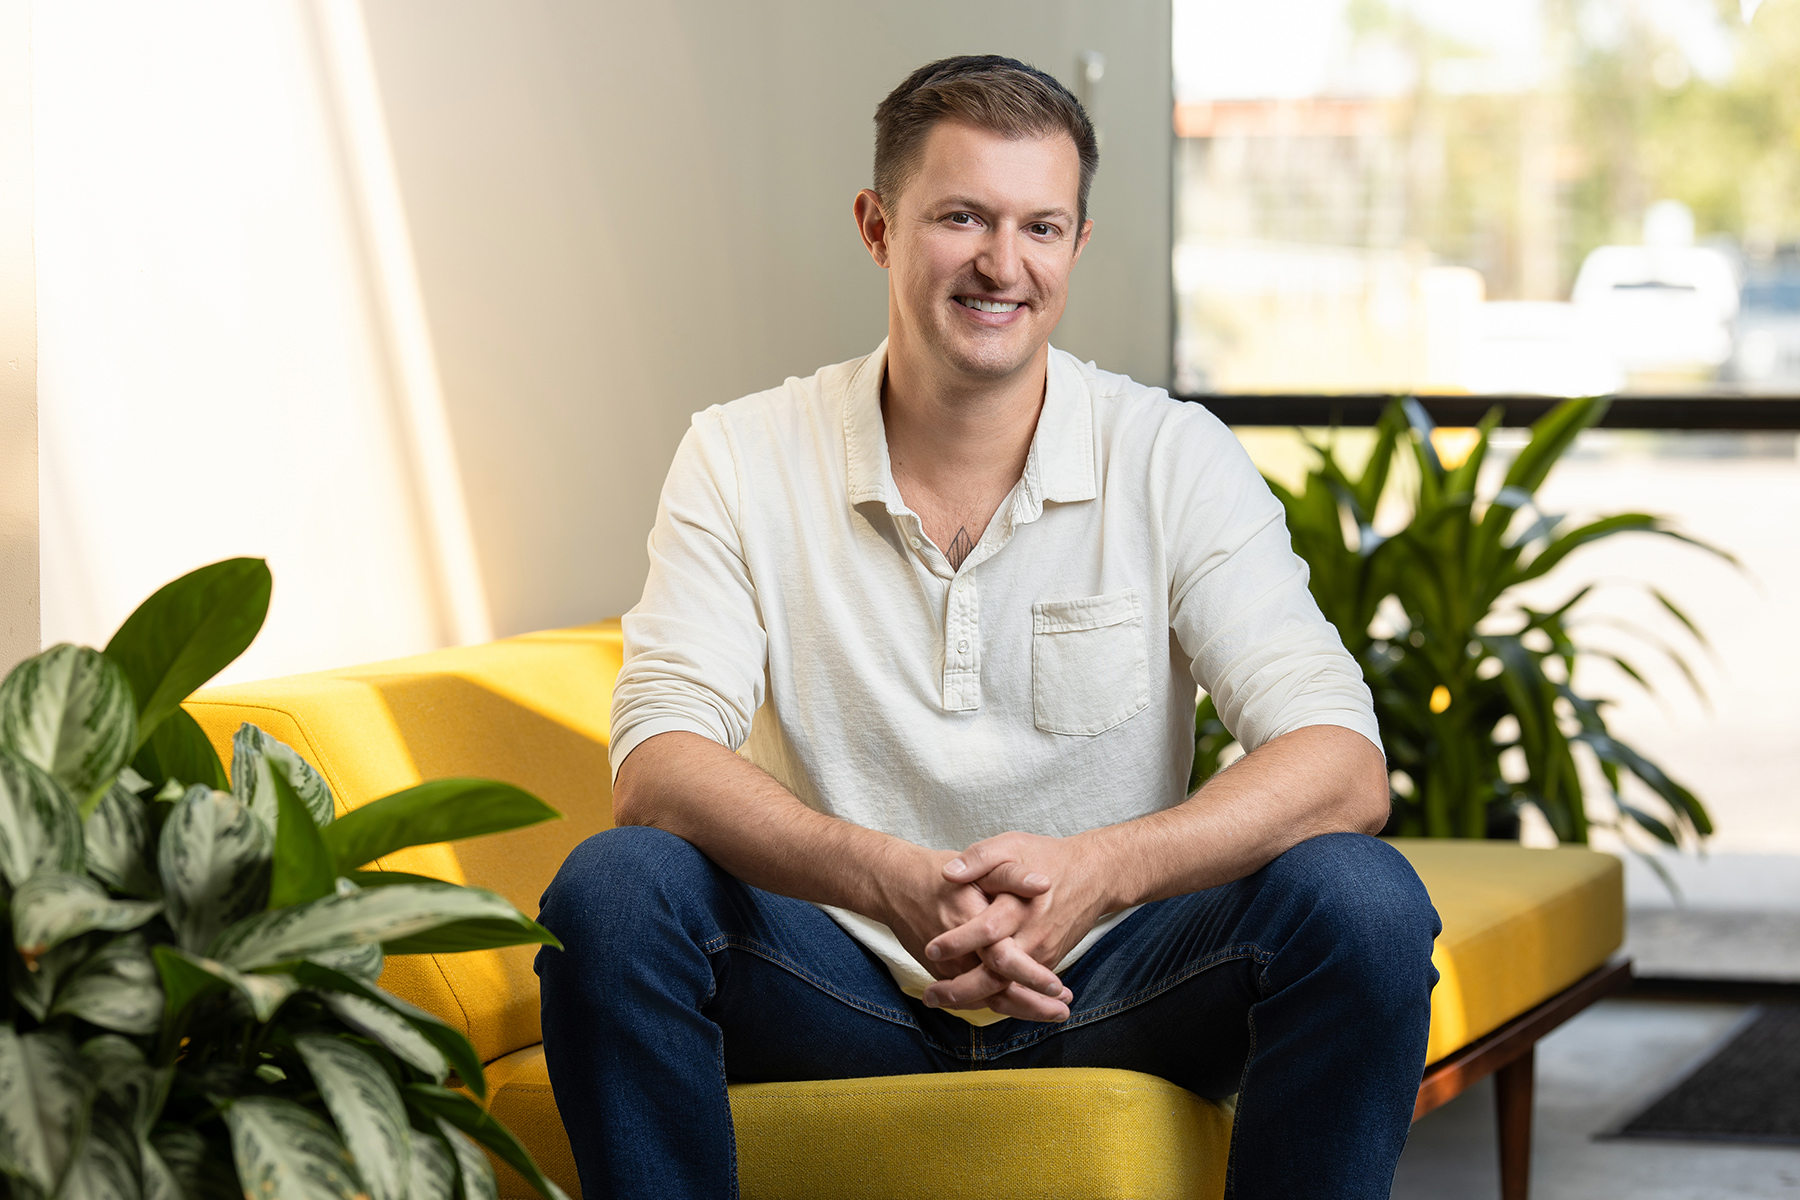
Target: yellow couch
x,y
1520,926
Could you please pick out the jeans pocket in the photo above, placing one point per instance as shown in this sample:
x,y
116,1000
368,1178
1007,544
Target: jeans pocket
x,y
1089,667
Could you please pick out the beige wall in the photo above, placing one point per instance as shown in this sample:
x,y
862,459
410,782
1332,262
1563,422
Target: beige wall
x,y
19,621
624,212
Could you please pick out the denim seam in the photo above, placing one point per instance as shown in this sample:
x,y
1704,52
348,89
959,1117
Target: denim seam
x,y
725,941
1089,1016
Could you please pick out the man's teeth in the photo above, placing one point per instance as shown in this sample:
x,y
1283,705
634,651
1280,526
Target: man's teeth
x,y
987,305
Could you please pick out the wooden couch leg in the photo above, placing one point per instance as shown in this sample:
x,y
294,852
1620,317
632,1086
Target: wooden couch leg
x,y
1513,1099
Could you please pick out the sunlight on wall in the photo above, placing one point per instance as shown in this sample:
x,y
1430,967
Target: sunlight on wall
x,y
215,377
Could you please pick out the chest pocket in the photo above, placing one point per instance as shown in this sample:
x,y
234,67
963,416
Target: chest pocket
x,y
1089,668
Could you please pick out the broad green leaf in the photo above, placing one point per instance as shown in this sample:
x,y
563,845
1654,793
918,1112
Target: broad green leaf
x,y
50,908
117,835
70,711
35,989
472,1167
478,933
182,1155
214,860
179,750
359,962
135,1088
161,1181
437,1045
187,632
444,810
40,827
464,1114
186,977
433,1174
366,1106
116,988
387,878
256,758
373,915
302,867
106,1167
286,1151
44,1098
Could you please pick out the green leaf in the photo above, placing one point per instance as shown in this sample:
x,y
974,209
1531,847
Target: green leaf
x,y
283,1150
444,810
117,988
1551,436
366,1106
433,1169
302,868
106,1168
186,977
472,1166
50,908
257,759
180,1153
135,1088
466,1115
214,861
387,878
364,917
35,989
187,632
476,933
360,962
180,750
117,836
428,1044
40,827
44,1100
69,710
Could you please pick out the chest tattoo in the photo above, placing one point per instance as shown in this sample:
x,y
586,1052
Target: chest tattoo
x,y
959,547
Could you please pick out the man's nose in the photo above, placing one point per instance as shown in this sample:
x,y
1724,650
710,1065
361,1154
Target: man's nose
x,y
999,260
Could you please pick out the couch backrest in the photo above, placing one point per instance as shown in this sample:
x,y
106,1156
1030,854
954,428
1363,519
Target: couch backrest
x,y
531,710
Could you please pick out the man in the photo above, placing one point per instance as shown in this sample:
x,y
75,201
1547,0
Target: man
x,y
952,600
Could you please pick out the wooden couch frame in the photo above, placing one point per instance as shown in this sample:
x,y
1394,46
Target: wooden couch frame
x,y
1509,1054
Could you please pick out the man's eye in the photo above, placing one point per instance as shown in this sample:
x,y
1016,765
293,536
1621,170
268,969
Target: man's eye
x,y
1043,230
962,218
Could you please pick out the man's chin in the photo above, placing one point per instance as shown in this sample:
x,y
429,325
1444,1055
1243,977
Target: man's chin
x,y
990,361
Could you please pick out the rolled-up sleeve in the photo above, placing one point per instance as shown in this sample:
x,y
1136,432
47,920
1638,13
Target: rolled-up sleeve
x,y
1239,604
695,647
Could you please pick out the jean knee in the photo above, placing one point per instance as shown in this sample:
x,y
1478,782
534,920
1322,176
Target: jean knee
x,y
617,874
1366,892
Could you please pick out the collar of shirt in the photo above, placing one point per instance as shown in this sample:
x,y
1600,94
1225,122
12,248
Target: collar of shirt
x,y
1059,465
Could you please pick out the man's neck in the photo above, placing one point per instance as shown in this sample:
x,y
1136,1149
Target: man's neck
x,y
954,434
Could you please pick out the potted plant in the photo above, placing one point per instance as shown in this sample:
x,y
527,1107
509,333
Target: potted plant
x,y
191,1007
1450,653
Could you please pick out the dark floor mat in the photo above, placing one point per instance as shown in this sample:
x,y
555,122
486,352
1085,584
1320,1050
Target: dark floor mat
x,y
1748,1091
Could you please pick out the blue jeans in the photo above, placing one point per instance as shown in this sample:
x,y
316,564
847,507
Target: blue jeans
x,y
1305,988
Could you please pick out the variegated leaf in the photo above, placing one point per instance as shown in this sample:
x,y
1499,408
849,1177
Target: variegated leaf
x,y
117,834
359,962
286,1151
179,1152
369,916
127,1079
44,1098
117,988
70,711
368,1110
35,989
186,976
50,908
382,1024
433,1174
471,1164
106,1168
253,755
214,860
40,826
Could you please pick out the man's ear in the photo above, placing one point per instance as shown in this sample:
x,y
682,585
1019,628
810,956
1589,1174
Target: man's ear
x,y
1087,231
871,223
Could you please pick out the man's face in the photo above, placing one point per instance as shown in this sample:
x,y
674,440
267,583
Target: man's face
x,y
979,245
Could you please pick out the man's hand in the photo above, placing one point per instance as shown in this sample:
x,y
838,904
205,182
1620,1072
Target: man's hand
x,y
1045,896
923,901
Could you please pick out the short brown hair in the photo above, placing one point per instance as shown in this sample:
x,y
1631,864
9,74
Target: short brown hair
x,y
1000,95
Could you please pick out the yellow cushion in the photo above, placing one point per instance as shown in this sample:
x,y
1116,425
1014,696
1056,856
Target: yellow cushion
x,y
1519,926
531,710
1064,1132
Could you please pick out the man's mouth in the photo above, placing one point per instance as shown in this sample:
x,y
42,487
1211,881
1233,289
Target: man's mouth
x,y
993,306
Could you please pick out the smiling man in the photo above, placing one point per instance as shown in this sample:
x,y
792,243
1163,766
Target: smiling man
x,y
952,601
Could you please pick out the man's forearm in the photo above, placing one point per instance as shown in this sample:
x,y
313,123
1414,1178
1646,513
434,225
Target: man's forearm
x,y
743,819
1316,780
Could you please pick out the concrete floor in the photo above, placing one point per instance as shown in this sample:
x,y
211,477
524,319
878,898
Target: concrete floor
x,y
1592,1075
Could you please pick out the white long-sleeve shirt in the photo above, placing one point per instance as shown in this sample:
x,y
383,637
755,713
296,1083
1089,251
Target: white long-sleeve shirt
x,y
795,609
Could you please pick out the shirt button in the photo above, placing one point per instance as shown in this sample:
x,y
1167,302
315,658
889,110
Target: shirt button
x,y
962,647
916,543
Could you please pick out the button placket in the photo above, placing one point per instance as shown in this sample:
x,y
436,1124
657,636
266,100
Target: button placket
x,y
962,646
